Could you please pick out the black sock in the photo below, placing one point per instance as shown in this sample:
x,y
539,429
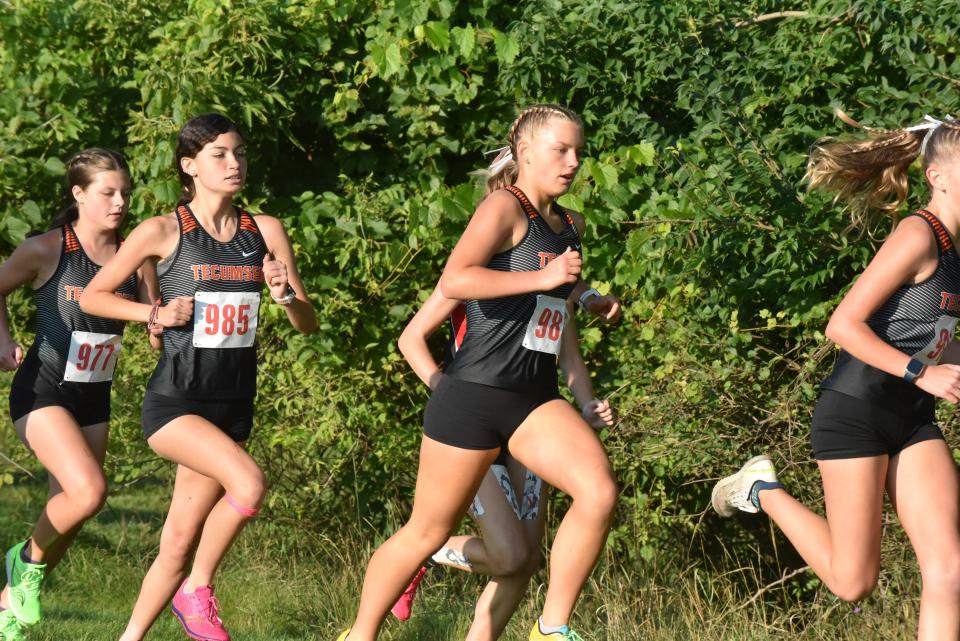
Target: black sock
x,y
25,552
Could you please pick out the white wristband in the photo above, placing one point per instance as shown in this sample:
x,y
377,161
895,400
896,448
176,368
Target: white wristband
x,y
287,298
585,295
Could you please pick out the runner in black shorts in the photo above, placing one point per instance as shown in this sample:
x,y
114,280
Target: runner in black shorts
x,y
60,395
874,428
509,506
212,261
515,267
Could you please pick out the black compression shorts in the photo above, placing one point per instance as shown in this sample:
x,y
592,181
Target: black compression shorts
x,y
234,417
472,416
848,427
88,403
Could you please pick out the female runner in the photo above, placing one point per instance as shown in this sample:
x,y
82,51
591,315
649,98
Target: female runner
x,y
60,395
515,266
212,262
508,506
874,427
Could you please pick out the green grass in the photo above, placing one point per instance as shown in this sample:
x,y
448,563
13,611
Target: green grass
x,y
285,582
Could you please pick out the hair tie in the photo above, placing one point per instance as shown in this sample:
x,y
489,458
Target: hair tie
x,y
504,156
930,124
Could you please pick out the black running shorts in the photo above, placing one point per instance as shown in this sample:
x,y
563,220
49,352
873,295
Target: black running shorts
x,y
88,403
848,427
480,417
234,417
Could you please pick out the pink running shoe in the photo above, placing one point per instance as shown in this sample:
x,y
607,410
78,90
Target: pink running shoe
x,y
197,612
404,605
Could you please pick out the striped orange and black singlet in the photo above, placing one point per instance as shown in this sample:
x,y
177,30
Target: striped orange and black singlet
x,y
202,263
490,349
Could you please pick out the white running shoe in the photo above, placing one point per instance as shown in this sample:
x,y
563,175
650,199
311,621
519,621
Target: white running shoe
x,y
732,493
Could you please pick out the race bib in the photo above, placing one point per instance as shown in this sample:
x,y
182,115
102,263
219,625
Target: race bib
x,y
225,319
546,325
91,357
942,335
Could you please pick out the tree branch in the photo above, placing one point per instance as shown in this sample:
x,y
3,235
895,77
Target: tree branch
x,y
771,16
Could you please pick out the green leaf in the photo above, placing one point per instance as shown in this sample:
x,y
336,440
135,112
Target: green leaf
x,y
17,228
31,211
506,45
55,166
466,40
393,61
438,35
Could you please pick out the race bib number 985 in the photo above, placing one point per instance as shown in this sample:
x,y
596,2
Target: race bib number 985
x,y
546,325
943,333
92,357
225,319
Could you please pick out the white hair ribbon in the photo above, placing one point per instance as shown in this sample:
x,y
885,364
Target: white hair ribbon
x,y
929,124
502,159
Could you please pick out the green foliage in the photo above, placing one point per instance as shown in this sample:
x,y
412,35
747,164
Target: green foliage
x,y
364,121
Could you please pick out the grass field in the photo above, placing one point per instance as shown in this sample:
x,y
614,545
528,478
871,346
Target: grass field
x,y
285,582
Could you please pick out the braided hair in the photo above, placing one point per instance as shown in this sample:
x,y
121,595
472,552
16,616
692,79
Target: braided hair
x,y
81,169
503,170
870,174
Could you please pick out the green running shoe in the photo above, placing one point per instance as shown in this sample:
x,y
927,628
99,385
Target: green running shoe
x,y
24,580
10,628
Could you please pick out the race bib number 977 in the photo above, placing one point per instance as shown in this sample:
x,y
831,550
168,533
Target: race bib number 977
x,y
225,319
92,357
546,325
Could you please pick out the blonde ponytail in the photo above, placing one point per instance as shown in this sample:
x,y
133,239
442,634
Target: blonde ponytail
x,y
870,174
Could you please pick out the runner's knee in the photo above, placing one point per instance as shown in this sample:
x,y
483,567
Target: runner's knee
x,y
88,496
509,560
855,586
249,489
598,495
942,574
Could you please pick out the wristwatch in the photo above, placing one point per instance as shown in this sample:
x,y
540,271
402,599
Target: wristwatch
x,y
913,370
585,295
287,298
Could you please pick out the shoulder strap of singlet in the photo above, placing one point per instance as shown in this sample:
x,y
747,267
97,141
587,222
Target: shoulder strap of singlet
x,y
70,241
567,217
246,222
187,220
525,203
944,243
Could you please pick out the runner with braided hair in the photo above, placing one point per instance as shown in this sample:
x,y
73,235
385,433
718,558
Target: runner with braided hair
x,y
874,426
515,267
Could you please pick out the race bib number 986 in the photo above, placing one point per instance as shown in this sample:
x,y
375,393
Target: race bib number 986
x,y
92,357
546,325
225,319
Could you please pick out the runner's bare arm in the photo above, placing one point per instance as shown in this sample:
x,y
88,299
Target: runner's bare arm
x,y
23,266
497,225
300,311
152,239
413,340
908,254
598,413
149,293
